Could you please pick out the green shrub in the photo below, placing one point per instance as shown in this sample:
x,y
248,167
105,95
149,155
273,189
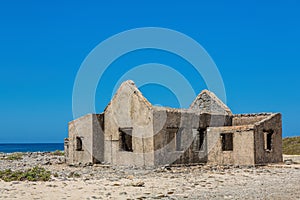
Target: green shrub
x,y
33,174
73,175
14,156
57,153
291,146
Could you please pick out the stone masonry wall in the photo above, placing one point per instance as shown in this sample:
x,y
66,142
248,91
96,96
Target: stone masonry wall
x,y
272,123
243,145
207,102
247,119
187,124
82,128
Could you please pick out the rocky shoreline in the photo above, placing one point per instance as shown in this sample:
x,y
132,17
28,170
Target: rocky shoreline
x,y
176,182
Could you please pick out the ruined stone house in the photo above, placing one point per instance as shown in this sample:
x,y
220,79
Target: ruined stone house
x,y
131,131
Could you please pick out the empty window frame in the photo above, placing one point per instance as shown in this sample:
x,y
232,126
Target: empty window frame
x,y
227,141
199,139
268,140
125,139
173,138
78,144
178,139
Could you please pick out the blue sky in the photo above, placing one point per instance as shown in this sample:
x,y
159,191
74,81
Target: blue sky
x,y
255,45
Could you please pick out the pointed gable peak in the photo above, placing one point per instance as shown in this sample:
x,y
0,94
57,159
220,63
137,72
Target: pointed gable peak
x,y
129,87
208,102
126,89
128,82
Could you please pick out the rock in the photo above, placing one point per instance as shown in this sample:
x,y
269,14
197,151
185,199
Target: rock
x,y
138,184
46,163
50,185
288,161
122,193
88,164
161,196
142,197
94,197
114,179
167,167
130,177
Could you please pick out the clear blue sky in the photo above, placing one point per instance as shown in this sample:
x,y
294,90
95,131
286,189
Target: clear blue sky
x,y
255,44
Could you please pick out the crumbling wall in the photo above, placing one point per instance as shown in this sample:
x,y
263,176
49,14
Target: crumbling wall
x,y
98,138
133,132
179,124
80,129
242,151
208,102
272,125
214,120
129,110
66,150
184,147
247,119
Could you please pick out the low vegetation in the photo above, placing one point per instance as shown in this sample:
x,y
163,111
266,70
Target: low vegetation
x,y
73,175
57,153
33,174
14,156
291,146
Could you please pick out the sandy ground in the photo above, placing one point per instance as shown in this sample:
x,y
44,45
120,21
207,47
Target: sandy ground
x,y
194,182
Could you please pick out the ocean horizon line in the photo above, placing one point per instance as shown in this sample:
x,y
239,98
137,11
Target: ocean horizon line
x,y
31,143
30,147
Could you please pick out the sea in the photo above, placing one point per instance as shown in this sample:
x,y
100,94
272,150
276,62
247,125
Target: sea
x,y
34,147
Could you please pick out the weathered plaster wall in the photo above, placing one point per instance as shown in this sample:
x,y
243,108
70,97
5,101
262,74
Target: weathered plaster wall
x,y
187,122
129,109
243,145
83,128
153,142
247,119
180,121
273,122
